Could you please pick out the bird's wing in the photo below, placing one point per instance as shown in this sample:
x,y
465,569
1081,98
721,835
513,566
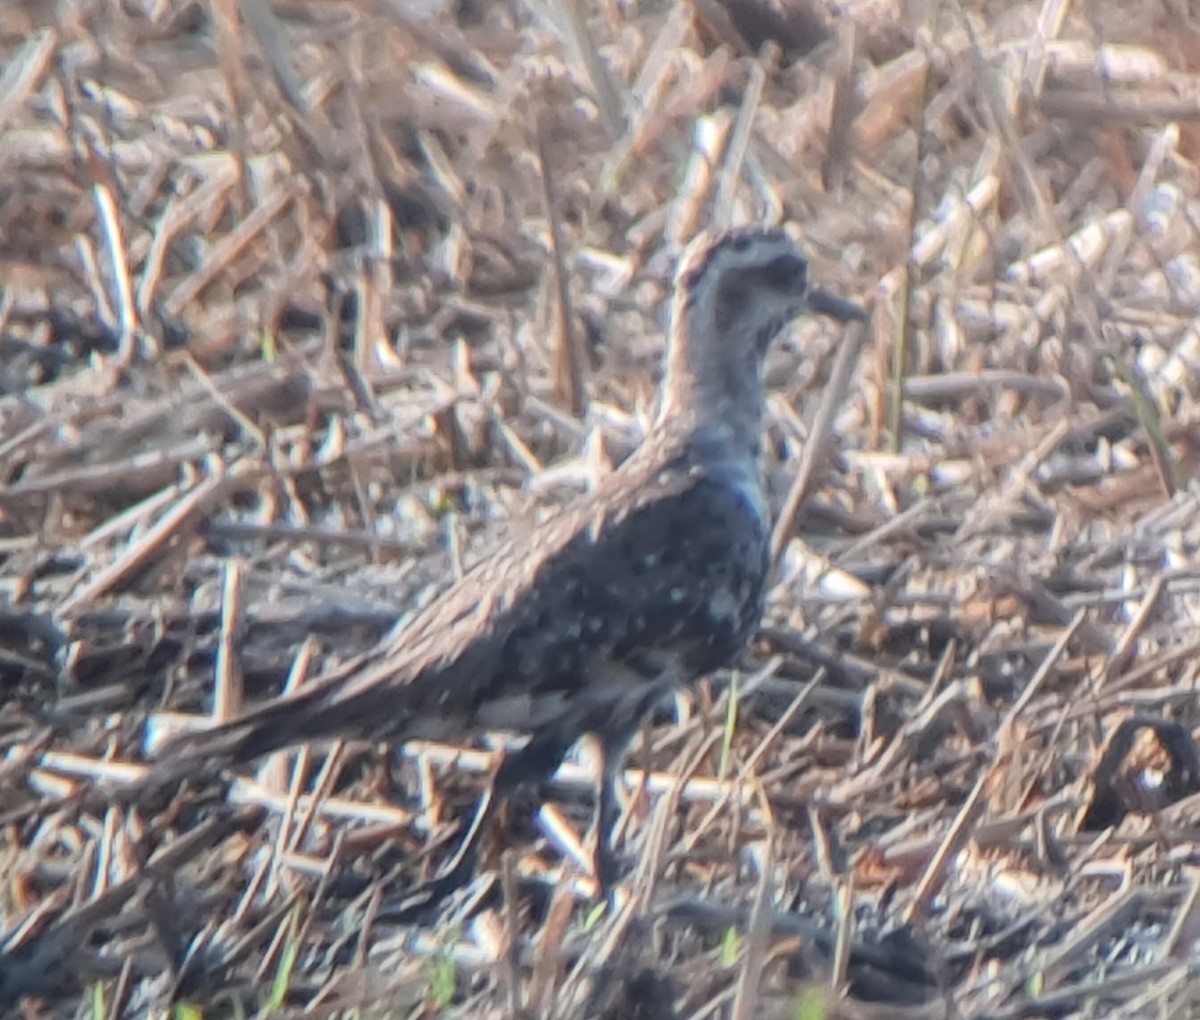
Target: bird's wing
x,y
657,559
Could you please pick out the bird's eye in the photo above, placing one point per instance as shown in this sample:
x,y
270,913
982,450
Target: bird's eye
x,y
787,272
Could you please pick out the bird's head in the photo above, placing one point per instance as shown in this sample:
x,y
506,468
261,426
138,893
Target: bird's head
x,y
745,285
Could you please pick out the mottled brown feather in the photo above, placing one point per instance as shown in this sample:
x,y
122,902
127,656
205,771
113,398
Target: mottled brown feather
x,y
653,579
660,570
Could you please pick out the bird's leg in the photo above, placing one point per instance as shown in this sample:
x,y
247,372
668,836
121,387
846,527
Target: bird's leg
x,y
605,865
538,759
458,872
644,685
454,875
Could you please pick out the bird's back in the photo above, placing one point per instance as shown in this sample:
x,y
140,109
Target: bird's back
x,y
656,576
659,574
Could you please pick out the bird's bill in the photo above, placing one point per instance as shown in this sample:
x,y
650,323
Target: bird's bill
x,y
824,303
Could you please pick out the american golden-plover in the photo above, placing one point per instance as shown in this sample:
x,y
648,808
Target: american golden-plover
x,y
581,626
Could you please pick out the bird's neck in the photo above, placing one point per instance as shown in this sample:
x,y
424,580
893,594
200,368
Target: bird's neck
x,y
715,388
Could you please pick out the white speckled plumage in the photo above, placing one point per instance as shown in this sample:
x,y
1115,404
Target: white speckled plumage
x,y
652,579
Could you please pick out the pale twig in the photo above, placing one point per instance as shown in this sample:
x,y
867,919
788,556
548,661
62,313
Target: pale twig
x,y
814,449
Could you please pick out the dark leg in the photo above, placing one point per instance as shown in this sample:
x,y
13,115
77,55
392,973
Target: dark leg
x,y
608,812
539,759
536,761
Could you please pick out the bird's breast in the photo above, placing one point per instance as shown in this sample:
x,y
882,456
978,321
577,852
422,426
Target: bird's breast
x,y
734,559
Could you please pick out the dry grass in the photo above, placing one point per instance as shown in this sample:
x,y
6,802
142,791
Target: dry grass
x,y
299,308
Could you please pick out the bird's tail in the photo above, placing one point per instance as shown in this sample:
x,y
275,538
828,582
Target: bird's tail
x,y
271,727
317,711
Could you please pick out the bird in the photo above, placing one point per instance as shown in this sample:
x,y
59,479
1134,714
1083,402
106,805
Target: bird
x,y
582,626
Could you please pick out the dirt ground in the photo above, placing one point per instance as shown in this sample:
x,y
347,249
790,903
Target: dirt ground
x,y
304,304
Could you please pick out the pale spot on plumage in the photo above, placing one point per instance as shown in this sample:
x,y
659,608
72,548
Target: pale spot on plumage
x,y
652,579
725,605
